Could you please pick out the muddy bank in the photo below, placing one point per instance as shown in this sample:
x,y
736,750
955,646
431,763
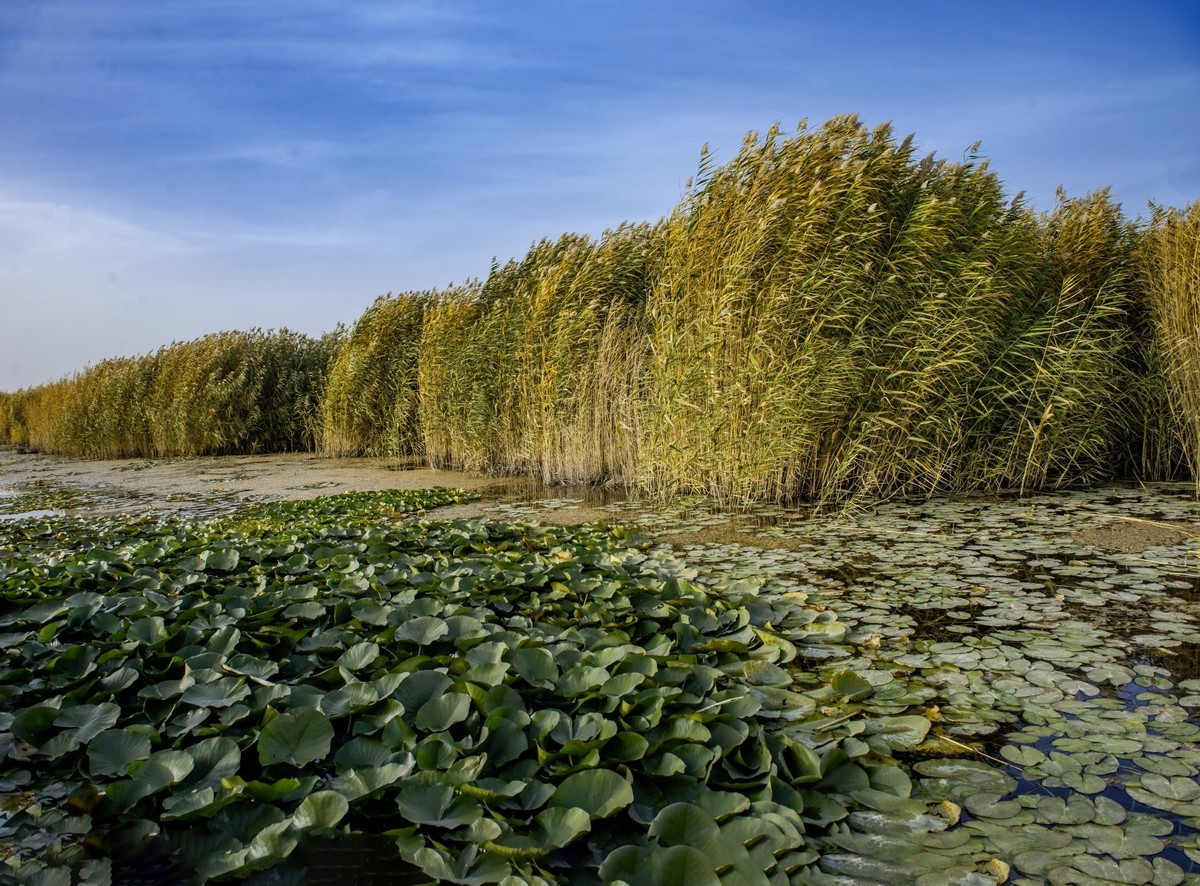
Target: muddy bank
x,y
200,482
296,475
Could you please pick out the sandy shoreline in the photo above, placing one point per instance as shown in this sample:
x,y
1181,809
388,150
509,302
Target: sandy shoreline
x,y
295,475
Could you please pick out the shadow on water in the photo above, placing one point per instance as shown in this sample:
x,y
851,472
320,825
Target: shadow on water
x,y
527,490
1185,586
406,464
152,866
345,860
1183,661
353,860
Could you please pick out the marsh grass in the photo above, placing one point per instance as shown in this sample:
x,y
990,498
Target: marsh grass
x,y
14,429
371,401
828,316
538,369
1055,407
224,393
838,318
1171,259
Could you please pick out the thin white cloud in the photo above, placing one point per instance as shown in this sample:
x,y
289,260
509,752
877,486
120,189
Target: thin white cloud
x,y
47,228
118,37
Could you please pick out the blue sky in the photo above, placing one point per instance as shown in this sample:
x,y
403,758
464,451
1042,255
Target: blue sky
x,y
176,167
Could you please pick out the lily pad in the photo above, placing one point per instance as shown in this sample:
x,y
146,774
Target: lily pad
x,y
297,738
598,792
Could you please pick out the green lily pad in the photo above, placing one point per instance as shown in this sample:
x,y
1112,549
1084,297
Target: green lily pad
x,y
443,712
438,805
991,806
1120,842
322,809
972,775
1074,809
1177,788
598,792
559,827
899,733
111,752
423,630
86,721
297,738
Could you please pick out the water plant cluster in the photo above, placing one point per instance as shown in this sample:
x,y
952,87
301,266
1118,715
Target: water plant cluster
x,y
491,701
828,315
1067,675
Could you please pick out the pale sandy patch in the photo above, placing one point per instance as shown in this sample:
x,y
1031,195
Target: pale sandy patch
x,y
296,475
1132,535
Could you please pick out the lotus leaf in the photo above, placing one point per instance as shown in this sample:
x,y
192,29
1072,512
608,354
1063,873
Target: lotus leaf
x,y
297,738
598,792
112,752
322,809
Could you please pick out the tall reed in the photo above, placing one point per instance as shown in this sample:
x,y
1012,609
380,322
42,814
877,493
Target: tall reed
x,y
13,428
822,310
827,316
538,369
223,393
1172,282
1054,407
370,405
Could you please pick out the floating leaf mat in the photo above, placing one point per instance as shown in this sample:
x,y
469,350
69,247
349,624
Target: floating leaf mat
x,y
502,702
498,700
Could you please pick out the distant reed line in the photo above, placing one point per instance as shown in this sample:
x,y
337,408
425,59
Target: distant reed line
x,y
827,316
226,393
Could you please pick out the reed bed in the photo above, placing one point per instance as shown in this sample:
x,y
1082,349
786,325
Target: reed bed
x,y
1171,260
370,405
825,308
828,316
538,369
14,430
1055,407
838,319
230,392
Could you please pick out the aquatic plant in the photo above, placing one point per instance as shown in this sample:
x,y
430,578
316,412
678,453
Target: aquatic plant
x,y
538,369
1172,281
493,699
14,429
370,403
824,315
226,392
828,316
1054,407
1061,677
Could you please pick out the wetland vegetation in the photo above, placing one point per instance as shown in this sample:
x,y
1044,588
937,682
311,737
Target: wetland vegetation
x,y
827,316
949,691
700,680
